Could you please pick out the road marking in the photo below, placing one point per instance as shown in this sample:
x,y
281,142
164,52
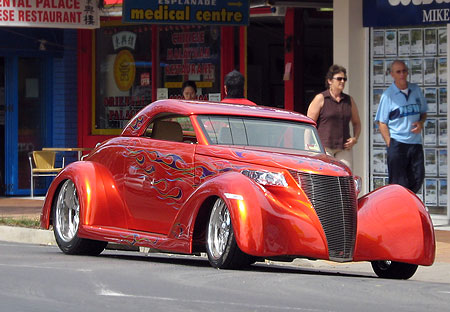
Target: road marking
x,y
110,293
43,267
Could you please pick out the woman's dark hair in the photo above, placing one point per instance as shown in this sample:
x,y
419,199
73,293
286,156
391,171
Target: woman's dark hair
x,y
188,83
333,70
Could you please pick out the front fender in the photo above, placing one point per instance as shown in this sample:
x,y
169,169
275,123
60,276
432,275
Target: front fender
x,y
393,224
99,197
245,217
262,225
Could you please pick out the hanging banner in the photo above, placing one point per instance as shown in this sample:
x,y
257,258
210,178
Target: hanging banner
x,y
382,13
50,13
205,12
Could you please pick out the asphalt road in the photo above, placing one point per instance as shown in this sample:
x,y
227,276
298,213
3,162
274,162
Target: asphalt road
x,y
41,278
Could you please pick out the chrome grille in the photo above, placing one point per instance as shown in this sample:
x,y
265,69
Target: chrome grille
x,y
335,202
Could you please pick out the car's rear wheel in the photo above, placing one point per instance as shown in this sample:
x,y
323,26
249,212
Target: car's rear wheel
x,y
221,247
393,269
66,220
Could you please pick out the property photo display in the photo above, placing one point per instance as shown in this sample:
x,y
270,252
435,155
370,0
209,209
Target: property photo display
x,y
424,51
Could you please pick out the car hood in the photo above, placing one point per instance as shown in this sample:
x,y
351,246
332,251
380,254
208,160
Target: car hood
x,y
311,162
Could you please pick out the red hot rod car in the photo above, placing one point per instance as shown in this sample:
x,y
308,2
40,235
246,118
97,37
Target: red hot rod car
x,y
241,183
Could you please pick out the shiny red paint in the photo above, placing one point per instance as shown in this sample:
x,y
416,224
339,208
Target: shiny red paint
x,y
140,191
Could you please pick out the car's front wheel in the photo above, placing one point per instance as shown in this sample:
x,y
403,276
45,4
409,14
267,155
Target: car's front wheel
x,y
221,247
393,269
66,220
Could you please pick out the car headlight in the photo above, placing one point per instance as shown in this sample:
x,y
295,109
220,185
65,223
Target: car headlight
x,y
266,177
358,184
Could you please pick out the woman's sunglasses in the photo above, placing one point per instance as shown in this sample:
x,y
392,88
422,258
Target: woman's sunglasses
x,y
340,78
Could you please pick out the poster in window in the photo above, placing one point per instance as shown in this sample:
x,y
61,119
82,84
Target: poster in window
x,y
443,192
404,42
123,76
429,71
378,43
442,40
377,137
431,98
388,77
430,162
442,131
416,42
378,72
429,131
442,100
376,99
190,53
390,43
416,71
442,70
430,41
379,160
431,192
378,182
442,162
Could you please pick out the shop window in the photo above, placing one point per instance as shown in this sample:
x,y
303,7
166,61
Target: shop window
x,y
424,51
189,53
122,76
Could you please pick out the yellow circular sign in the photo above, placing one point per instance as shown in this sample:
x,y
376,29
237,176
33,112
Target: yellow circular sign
x,y
124,70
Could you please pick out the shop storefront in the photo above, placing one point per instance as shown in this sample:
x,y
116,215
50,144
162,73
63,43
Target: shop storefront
x,y
371,35
38,84
418,36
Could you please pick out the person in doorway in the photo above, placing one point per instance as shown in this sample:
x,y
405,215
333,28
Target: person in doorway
x,y
333,110
189,90
400,116
234,89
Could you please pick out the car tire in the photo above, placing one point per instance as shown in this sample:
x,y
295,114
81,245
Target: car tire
x,y
66,220
393,269
221,247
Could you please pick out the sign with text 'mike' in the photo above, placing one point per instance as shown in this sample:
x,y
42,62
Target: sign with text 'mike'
x,y
379,13
49,13
212,12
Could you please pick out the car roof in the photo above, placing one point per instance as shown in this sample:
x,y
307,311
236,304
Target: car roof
x,y
184,107
187,108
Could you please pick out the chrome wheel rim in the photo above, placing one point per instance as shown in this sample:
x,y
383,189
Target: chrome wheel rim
x,y
67,214
219,229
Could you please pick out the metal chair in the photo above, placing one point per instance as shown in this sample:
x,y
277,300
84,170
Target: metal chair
x,y
42,164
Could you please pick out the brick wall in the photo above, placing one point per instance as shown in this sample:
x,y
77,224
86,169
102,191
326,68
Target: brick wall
x,y
65,94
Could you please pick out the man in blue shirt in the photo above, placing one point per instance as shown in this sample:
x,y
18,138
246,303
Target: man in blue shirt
x,y
400,116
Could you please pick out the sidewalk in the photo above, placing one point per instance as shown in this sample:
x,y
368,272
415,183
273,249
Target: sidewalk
x,y
22,207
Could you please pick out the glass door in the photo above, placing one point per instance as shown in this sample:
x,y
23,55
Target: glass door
x,y
31,118
27,116
2,126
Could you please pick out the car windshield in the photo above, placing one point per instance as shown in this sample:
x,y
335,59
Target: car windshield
x,y
246,131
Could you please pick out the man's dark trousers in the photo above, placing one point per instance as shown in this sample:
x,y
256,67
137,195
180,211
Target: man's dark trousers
x,y
406,165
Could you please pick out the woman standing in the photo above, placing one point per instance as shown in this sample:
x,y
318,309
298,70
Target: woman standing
x,y
333,110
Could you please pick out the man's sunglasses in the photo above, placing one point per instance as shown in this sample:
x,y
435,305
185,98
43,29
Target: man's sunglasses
x,y
404,71
340,78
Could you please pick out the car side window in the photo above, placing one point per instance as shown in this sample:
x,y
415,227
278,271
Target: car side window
x,y
172,128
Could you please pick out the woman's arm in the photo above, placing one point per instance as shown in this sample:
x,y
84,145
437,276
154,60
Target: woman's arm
x,y
356,123
315,106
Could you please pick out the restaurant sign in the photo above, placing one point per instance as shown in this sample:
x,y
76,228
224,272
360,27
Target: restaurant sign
x,y
50,13
380,13
212,12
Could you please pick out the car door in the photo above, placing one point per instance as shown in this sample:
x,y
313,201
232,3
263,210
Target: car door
x,y
159,177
